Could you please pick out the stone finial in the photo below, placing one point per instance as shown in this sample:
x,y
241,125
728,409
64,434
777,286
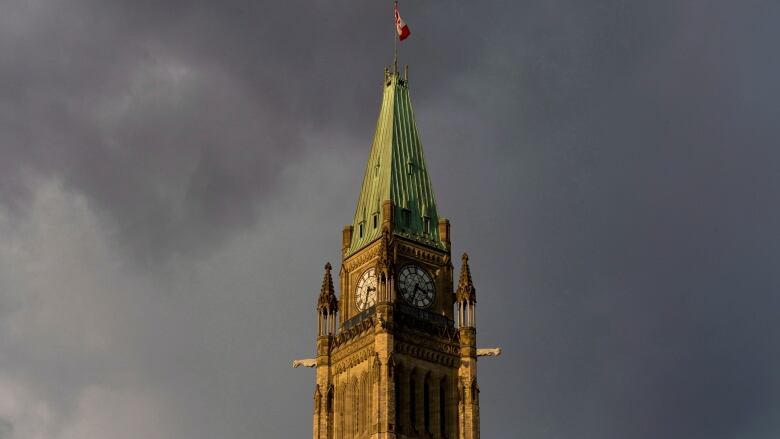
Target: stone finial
x,y
327,281
327,298
466,290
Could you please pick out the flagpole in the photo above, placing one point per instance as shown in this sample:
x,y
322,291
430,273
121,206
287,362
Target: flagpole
x,y
395,37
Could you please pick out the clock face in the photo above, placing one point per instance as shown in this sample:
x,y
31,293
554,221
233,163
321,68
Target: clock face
x,y
416,286
365,294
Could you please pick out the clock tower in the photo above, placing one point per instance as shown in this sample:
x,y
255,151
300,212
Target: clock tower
x,y
396,352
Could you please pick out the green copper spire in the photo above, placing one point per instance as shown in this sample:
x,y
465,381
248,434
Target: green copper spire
x,y
396,171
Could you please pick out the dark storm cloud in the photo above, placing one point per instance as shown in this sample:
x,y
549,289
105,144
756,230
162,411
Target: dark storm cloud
x,y
611,167
172,126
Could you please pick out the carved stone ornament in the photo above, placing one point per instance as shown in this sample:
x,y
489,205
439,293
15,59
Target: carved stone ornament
x,y
347,335
307,362
352,358
391,366
361,258
431,355
385,257
376,368
317,398
489,352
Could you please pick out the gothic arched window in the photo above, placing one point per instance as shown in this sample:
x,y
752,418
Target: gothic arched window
x,y
365,404
399,420
427,405
340,406
443,407
355,407
412,402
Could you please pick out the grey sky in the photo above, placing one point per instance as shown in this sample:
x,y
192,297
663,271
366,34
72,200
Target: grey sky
x,y
173,176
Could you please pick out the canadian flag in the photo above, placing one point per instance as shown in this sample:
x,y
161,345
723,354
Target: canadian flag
x,y
400,26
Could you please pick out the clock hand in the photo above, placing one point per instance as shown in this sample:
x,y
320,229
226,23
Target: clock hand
x,y
416,289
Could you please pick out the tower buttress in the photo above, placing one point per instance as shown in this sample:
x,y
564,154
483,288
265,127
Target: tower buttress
x,y
327,309
468,389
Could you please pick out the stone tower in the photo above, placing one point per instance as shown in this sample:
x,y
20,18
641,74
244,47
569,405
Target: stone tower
x,y
396,354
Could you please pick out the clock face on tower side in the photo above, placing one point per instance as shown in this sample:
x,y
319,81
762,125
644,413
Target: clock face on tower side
x,y
416,286
365,293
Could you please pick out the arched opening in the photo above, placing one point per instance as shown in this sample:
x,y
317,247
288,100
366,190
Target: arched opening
x,y
365,416
412,402
340,418
427,405
443,407
355,418
398,417
329,410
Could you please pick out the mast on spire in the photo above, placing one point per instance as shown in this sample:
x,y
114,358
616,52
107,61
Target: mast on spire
x,y
395,36
402,32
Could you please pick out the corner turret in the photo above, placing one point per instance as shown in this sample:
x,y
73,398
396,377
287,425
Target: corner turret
x,y
466,296
327,305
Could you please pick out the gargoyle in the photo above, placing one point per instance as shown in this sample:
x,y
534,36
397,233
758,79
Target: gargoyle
x,y
308,362
489,352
